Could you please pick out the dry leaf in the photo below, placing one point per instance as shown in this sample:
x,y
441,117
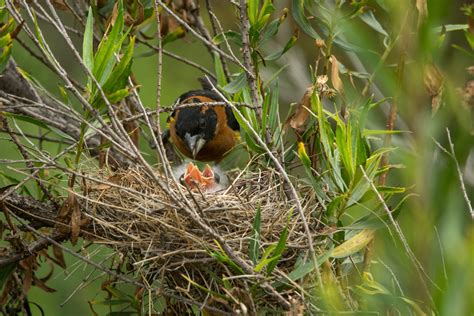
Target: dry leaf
x,y
75,222
297,307
70,214
470,70
39,283
64,213
301,114
27,266
335,79
434,81
60,5
422,8
58,254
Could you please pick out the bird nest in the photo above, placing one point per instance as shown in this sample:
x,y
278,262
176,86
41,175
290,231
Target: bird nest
x,y
175,236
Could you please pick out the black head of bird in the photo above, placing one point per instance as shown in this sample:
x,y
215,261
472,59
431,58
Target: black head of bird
x,y
203,130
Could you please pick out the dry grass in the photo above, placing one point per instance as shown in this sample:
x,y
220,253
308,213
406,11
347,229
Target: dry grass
x,y
140,219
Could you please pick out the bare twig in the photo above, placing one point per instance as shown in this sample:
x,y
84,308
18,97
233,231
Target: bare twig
x,y
214,23
401,235
199,36
452,154
179,58
25,155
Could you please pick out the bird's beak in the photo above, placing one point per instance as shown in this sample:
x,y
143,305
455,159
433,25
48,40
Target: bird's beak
x,y
194,143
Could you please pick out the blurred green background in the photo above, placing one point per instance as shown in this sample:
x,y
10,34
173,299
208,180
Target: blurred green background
x,y
435,219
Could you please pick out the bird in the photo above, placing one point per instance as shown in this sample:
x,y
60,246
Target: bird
x,y
204,132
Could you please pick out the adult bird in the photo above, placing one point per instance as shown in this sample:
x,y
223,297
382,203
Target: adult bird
x,y
203,128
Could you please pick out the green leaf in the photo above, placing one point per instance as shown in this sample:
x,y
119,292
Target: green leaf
x,y
354,244
390,189
280,247
110,302
219,70
304,268
5,273
368,132
5,40
237,84
288,45
27,119
265,258
469,38
222,257
297,10
451,28
254,245
332,209
5,57
252,11
118,95
344,144
87,44
361,187
369,18
273,111
270,31
264,15
105,59
173,36
230,36
119,76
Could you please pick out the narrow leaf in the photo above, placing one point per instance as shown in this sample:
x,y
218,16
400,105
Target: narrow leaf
x,y
254,244
87,44
297,10
353,245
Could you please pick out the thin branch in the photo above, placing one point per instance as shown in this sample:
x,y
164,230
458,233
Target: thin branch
x,y
24,154
401,235
214,23
31,249
200,37
179,58
461,180
291,187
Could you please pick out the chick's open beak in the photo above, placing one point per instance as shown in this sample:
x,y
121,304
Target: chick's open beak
x,y
194,143
194,179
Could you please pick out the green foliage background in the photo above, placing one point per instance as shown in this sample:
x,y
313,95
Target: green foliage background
x,y
435,219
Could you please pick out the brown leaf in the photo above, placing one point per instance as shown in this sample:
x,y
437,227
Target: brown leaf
x,y
58,254
42,285
422,8
470,70
64,213
301,114
70,214
335,79
60,5
6,290
27,266
75,222
434,83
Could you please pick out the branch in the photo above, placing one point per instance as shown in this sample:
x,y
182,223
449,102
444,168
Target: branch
x,y
18,96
